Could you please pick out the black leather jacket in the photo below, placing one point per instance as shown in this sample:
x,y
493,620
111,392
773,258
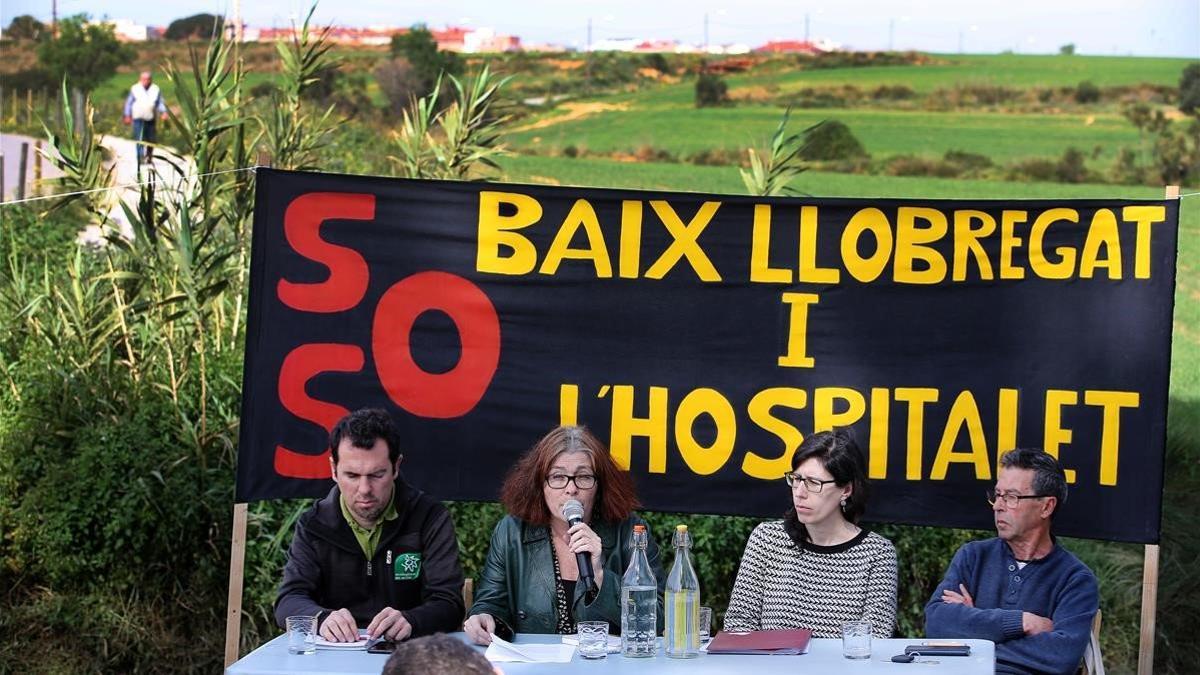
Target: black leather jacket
x,y
516,585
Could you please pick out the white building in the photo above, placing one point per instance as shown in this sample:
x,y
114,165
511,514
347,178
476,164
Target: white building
x,y
128,31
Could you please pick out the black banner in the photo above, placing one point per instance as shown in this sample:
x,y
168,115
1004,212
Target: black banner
x,y
701,336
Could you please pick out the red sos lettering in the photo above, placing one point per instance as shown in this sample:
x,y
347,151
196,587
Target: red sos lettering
x,y
433,395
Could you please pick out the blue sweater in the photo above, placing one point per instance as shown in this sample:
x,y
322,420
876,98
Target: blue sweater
x,y
1058,587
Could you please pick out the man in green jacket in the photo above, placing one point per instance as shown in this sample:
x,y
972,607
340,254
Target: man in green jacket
x,y
375,553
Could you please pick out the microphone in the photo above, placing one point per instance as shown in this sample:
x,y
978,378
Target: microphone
x,y
572,511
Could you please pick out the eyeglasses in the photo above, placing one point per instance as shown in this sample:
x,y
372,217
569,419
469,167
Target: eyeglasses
x,y
558,481
1010,500
813,485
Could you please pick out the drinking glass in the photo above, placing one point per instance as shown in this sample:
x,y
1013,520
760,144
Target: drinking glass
x,y
302,634
856,639
593,639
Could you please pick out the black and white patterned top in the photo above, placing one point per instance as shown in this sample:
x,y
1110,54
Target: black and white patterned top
x,y
780,585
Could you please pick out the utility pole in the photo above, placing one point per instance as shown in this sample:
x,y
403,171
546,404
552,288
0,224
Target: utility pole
x,y
706,32
960,41
237,23
54,18
891,34
587,71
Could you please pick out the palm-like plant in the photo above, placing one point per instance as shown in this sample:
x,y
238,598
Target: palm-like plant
x,y
771,172
448,143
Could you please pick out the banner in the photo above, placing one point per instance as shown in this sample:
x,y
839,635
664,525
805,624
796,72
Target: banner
x,y
703,336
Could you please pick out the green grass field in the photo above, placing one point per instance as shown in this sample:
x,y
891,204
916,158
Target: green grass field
x,y
684,130
664,117
1007,70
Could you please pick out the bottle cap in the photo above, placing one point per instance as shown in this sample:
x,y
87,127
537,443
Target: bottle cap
x,y
681,528
639,528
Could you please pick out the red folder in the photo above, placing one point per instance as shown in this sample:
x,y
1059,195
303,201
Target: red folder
x,y
761,642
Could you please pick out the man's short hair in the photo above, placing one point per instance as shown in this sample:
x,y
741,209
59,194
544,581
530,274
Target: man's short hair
x,y
363,428
1049,480
438,654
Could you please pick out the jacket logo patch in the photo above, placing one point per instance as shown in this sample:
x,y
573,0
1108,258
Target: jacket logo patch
x,y
407,567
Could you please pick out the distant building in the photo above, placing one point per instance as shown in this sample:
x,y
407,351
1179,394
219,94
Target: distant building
x,y
790,47
485,40
126,30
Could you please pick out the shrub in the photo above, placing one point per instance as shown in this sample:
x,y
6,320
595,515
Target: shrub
x,y
895,92
715,157
399,83
420,50
710,90
649,153
195,27
658,62
969,161
1125,170
1087,92
264,90
911,165
831,140
1189,89
1070,168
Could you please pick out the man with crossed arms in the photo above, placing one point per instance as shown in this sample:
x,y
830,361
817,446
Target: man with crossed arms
x,y
1021,590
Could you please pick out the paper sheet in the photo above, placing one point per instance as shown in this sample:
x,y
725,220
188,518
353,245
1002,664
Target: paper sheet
x,y
322,643
501,651
360,644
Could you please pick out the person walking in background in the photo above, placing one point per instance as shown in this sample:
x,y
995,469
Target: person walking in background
x,y
817,568
143,105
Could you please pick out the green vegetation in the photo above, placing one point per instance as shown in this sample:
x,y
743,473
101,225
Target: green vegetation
x,y
195,27
418,47
120,368
85,53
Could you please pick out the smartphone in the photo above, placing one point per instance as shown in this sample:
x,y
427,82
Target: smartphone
x,y
939,650
382,647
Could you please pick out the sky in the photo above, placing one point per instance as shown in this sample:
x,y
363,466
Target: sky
x,y
1105,27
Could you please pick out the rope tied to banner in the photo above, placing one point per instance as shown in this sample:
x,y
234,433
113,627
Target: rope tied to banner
x,y
124,186
155,181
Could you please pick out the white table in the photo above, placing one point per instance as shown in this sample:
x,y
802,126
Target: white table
x,y
824,656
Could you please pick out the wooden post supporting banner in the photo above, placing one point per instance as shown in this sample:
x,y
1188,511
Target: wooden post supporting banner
x,y
1149,608
1150,572
22,164
37,165
237,560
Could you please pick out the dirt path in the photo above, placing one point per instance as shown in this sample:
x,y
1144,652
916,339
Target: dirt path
x,y
127,179
573,111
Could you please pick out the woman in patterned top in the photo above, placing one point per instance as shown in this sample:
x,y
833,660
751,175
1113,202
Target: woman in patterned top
x,y
528,583
817,568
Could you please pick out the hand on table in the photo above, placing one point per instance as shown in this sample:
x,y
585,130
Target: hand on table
x,y
480,627
339,626
391,624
